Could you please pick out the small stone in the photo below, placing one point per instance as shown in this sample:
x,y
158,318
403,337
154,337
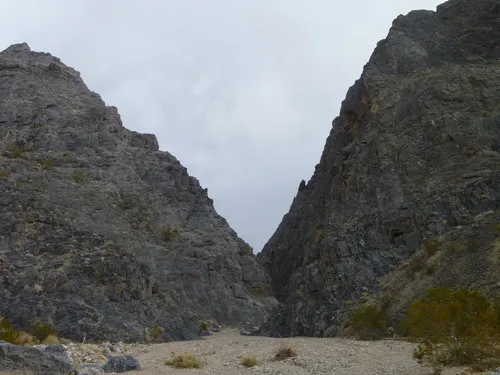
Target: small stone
x,y
122,363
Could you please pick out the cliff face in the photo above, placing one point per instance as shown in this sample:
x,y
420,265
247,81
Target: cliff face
x,y
413,155
101,234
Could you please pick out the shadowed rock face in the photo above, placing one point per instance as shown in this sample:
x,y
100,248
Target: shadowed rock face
x,y
101,234
413,154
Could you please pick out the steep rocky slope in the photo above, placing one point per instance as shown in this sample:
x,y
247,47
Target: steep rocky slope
x,y
101,234
414,155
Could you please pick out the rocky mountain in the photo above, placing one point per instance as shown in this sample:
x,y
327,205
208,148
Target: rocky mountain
x,y
102,235
407,192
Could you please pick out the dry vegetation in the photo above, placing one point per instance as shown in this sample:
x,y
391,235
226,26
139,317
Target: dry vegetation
x,y
249,361
41,334
455,328
186,360
459,327
285,351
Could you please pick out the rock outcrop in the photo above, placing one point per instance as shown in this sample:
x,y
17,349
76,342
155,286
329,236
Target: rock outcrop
x,y
414,155
44,360
102,235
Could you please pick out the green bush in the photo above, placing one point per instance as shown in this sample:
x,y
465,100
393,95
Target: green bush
x,y
204,326
455,327
169,234
9,334
7,331
42,331
368,322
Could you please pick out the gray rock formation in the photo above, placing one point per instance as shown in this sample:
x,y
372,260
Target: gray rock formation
x,y
44,360
102,235
414,154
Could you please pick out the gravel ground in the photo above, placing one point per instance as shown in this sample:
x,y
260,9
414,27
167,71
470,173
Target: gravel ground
x,y
222,351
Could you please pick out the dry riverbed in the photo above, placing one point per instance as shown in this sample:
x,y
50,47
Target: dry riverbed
x,y
222,352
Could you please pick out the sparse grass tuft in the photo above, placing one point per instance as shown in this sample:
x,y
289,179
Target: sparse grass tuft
x,y
249,361
285,351
187,360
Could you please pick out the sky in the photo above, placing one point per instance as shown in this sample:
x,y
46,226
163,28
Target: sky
x,y
242,92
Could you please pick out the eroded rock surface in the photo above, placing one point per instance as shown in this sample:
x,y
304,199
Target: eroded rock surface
x,y
102,235
43,360
413,155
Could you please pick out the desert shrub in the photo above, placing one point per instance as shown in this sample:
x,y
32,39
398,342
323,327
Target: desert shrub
x,y
249,361
204,326
452,247
169,234
126,204
423,350
50,340
285,351
26,339
9,334
494,228
455,327
155,334
47,164
431,247
185,361
78,177
42,331
17,152
430,269
471,244
368,322
7,331
416,265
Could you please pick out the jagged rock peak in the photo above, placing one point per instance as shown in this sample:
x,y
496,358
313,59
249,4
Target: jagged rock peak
x,y
413,156
19,47
102,235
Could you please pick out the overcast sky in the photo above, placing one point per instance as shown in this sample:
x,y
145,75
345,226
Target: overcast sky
x,y
242,92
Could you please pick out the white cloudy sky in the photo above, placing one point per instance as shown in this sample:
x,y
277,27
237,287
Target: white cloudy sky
x,y
242,92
